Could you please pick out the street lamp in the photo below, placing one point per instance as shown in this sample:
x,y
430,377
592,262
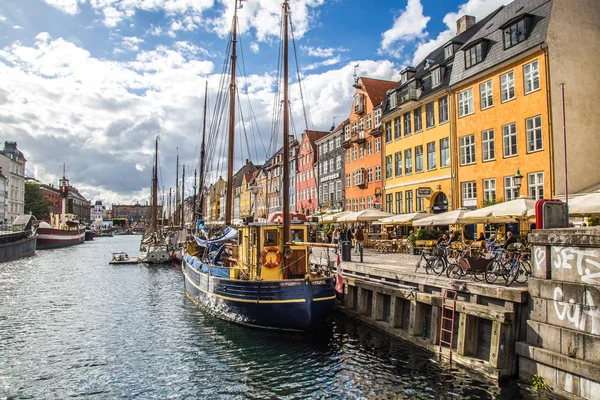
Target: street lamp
x,y
517,180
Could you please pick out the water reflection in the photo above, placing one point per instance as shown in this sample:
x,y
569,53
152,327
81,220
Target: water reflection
x,y
71,325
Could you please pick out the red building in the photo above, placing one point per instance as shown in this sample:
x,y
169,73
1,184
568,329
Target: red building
x,y
307,201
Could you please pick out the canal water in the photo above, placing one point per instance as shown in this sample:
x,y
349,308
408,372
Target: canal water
x,y
73,326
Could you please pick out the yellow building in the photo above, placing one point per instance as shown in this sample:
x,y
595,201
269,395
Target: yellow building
x,y
418,126
499,83
245,196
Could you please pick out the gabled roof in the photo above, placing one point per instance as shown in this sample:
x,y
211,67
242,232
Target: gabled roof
x,y
537,10
313,136
376,89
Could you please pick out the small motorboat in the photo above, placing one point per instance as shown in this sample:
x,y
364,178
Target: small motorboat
x,y
123,258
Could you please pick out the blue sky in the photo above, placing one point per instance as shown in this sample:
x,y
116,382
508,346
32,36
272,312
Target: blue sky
x,y
91,82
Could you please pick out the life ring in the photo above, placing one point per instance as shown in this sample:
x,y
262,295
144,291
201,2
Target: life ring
x,y
271,263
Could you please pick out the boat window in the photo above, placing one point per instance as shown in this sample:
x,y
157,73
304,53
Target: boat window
x,y
271,237
298,235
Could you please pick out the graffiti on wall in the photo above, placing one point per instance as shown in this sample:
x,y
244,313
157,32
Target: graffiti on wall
x,y
586,262
574,311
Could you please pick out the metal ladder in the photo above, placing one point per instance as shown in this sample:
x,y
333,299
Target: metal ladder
x,y
450,306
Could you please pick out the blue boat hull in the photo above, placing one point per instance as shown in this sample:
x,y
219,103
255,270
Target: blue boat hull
x,y
294,305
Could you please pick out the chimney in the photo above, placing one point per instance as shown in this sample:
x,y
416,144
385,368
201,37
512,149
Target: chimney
x,y
464,23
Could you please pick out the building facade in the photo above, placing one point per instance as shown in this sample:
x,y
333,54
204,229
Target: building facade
x,y
362,145
330,179
3,197
13,163
135,213
306,178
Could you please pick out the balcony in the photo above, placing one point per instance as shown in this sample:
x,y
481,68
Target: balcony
x,y
408,94
360,138
347,143
377,130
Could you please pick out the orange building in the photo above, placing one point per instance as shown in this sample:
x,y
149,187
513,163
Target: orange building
x,y
363,147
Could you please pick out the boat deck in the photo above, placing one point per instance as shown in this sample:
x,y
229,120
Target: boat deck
x,y
133,260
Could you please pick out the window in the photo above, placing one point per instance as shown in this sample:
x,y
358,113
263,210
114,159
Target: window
x,y
486,95
509,139
535,184
377,173
419,159
474,55
418,122
347,156
388,202
408,161
511,191
443,109
361,151
338,190
465,103
469,194
338,162
507,86
330,145
331,166
347,132
370,175
369,202
398,160
430,114
489,190
531,76
348,205
444,152
354,129
338,142
354,152
388,131
347,180
487,144
514,33
398,202
362,203
355,205
320,172
407,124
325,167
534,133
369,148
448,51
431,161
377,144
388,167
369,121
377,113
392,100
435,77
408,198
397,128
361,125
467,150
420,204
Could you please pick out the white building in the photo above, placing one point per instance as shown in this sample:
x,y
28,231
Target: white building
x,y
3,197
12,163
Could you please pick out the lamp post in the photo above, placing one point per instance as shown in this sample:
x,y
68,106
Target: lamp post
x,y
518,180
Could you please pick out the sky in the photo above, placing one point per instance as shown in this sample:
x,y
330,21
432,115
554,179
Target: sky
x,y
89,84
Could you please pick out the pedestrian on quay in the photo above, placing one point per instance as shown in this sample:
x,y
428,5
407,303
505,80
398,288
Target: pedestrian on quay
x,y
360,236
350,235
335,237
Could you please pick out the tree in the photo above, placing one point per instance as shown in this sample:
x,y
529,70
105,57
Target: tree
x,y
34,201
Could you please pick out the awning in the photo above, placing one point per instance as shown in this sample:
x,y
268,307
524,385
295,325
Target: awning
x,y
402,219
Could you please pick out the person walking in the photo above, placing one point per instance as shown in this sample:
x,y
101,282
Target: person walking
x,y
360,237
335,237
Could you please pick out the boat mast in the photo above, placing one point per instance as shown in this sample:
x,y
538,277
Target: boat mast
x,y
176,200
286,173
154,207
232,90
202,155
183,195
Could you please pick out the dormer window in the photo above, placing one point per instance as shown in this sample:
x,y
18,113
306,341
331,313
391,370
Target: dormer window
x,y
474,54
448,51
392,100
359,103
436,77
515,32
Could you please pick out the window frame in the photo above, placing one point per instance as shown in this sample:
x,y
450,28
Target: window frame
x,y
398,166
511,136
443,109
534,130
465,103
488,145
430,115
535,185
489,189
532,77
506,86
443,150
408,164
486,89
419,159
467,150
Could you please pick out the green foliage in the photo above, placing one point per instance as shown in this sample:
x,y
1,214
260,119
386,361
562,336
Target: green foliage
x,y
34,201
537,383
591,221
424,234
487,203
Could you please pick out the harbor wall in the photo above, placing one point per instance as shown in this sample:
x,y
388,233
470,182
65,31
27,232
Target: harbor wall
x,y
16,245
489,319
562,344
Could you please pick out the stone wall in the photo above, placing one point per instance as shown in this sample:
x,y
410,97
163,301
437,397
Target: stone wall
x,y
563,331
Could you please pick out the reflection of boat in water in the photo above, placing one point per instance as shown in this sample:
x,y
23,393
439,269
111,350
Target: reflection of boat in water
x,y
257,275
123,258
65,229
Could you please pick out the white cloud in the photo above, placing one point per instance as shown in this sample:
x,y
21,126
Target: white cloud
x,y
66,6
131,43
408,26
17,27
254,47
2,18
322,52
328,62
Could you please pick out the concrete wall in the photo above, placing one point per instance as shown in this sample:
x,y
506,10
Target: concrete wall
x,y
563,332
23,246
573,36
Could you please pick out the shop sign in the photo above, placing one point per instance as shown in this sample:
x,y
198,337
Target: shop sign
x,y
423,192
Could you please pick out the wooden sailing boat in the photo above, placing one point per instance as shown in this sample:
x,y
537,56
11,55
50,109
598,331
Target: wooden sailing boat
x,y
256,276
154,249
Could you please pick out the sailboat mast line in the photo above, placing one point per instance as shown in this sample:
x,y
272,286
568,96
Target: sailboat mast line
x,y
305,108
285,209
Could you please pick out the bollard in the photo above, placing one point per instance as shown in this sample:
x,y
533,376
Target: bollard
x,y
360,249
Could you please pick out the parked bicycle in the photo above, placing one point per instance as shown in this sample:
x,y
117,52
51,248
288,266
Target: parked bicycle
x,y
511,265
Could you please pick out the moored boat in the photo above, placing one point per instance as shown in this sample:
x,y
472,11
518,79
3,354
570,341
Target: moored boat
x,y
259,276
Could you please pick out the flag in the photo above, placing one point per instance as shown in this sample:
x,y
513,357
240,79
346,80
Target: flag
x,y
339,287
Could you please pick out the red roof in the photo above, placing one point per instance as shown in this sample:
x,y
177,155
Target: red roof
x,y
376,89
313,136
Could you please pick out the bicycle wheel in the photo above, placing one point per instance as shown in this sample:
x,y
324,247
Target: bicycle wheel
x,y
492,271
454,271
512,271
524,271
479,276
438,266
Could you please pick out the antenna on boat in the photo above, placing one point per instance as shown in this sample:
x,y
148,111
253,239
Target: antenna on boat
x,y
230,142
